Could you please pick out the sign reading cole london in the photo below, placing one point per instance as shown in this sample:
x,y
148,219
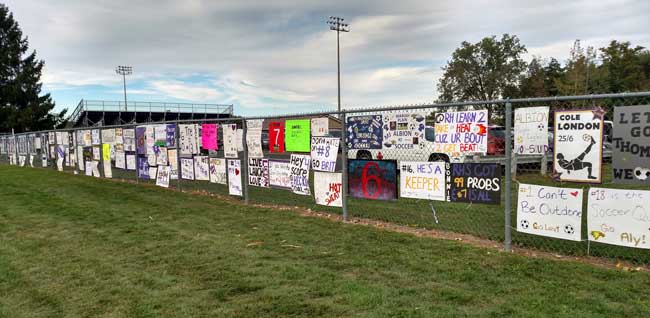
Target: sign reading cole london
x,y
578,145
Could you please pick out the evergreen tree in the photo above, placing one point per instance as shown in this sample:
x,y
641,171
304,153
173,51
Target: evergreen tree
x,y
22,107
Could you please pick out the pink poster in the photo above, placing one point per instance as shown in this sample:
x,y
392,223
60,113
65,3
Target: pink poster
x,y
209,136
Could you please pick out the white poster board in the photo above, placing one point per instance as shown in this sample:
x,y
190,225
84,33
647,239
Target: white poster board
x,y
578,146
218,172
172,157
189,139
461,133
120,160
130,162
300,165
280,174
549,211
162,177
258,172
327,188
531,130
324,151
423,180
320,126
230,140
619,217
254,138
234,177
201,168
187,168
403,130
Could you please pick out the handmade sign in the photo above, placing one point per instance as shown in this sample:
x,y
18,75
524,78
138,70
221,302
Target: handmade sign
x,y
209,136
549,211
619,217
461,133
324,151
143,168
276,137
631,149
160,135
423,180
201,168
96,153
129,139
108,171
578,145
141,143
218,172
161,156
108,136
234,177
120,160
150,139
239,139
162,176
106,152
187,168
95,138
172,158
130,162
296,137
300,174
153,171
364,132
151,159
119,136
254,138
403,130
258,172
280,174
531,130
188,139
320,126
372,179
327,188
230,140
170,139
475,183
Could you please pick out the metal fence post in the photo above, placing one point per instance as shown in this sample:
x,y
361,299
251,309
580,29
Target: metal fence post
x,y
177,133
344,169
137,166
245,162
508,170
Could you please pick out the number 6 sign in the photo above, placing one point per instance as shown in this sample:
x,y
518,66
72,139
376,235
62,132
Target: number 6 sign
x,y
372,179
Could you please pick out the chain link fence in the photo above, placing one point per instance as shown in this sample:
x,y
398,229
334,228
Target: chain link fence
x,y
491,215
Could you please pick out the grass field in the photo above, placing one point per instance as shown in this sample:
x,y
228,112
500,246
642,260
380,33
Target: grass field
x,y
74,246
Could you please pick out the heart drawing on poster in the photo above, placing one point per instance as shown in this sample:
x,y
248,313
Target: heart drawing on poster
x,y
575,193
236,171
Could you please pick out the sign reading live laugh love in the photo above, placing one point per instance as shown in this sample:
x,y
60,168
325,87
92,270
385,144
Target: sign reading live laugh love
x,y
549,211
475,183
531,130
372,179
460,133
578,145
619,217
364,132
631,141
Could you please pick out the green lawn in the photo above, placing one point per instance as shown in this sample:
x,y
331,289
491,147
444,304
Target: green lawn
x,y
74,246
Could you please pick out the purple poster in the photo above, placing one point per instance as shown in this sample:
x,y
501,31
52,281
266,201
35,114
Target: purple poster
x,y
140,140
171,136
143,168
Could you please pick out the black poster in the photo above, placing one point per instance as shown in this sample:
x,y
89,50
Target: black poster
x,y
475,183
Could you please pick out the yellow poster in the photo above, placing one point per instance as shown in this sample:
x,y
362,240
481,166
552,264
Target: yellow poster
x,y
106,152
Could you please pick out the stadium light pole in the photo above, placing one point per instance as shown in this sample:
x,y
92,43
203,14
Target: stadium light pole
x,y
336,24
124,71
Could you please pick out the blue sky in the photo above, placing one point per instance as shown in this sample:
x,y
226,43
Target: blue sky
x,y
279,56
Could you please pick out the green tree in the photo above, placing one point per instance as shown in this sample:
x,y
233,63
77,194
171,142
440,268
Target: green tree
x,y
486,70
22,106
622,68
580,71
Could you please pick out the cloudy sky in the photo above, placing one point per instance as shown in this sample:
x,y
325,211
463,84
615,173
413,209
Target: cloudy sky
x,y
280,57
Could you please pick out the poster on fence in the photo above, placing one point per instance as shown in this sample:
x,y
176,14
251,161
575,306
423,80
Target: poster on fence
x,y
161,155
254,138
239,139
276,137
170,139
151,159
403,130
423,180
300,174
108,136
320,126
364,132
531,130
143,168
187,168
234,177
188,139
172,157
96,153
372,179
280,174
153,171
258,172
120,160
162,176
106,152
619,217
475,183
461,133
230,140
578,145
129,139
631,150
141,144
108,171
130,162
549,211
209,136
201,168
218,171
95,138
119,136
296,136
150,138
324,151
327,188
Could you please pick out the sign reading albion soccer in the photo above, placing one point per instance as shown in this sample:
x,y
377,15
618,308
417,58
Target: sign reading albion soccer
x,y
619,217
372,179
631,141
403,130
578,145
475,183
549,211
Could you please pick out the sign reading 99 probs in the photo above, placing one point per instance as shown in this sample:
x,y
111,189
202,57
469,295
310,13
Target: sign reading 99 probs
x,y
475,182
423,180
461,133
619,217
578,145
549,211
531,130
631,153
372,179
364,132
